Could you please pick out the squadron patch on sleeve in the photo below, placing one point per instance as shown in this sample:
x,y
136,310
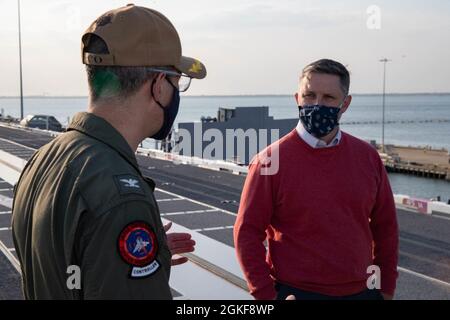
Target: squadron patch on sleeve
x,y
138,247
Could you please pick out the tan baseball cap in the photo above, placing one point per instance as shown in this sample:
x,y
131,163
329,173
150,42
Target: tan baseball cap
x,y
140,37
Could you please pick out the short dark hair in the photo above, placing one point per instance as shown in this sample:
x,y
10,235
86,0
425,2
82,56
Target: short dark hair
x,y
328,66
106,82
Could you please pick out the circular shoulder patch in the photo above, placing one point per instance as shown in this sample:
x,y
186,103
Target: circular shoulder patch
x,y
137,244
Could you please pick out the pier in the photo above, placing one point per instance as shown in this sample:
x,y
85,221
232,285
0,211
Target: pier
x,y
423,162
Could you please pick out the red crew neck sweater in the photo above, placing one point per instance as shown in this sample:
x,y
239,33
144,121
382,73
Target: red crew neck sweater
x,y
327,214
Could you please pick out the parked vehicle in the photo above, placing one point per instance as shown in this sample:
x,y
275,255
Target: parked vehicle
x,y
44,122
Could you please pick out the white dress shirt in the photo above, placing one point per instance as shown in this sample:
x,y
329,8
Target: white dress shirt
x,y
313,141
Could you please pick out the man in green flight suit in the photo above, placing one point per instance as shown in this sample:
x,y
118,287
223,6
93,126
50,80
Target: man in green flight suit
x,y
81,201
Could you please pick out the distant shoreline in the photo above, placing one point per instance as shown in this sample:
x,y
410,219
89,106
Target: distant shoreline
x,y
240,96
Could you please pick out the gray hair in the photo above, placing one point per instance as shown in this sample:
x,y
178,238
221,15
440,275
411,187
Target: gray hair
x,y
328,66
113,82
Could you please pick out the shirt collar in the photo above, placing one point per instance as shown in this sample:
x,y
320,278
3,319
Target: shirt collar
x,y
313,141
100,129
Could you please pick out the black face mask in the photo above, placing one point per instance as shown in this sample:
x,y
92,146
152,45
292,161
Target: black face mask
x,y
170,113
319,120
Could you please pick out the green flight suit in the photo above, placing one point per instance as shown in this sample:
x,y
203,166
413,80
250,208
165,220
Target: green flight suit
x,y
82,201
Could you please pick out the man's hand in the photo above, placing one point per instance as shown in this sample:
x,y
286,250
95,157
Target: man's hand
x,y
179,243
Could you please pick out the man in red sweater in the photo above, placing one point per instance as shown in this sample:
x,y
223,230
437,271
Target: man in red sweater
x,y
327,214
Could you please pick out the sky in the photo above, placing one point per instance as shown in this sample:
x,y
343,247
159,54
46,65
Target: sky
x,y
248,47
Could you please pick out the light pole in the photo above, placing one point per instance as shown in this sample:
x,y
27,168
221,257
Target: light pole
x,y
20,62
385,61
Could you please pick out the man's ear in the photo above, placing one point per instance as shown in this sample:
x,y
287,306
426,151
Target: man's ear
x,y
345,105
296,98
156,86
347,102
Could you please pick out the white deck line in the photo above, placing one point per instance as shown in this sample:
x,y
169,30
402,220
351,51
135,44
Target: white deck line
x,y
425,277
197,202
18,144
6,201
194,282
167,200
213,229
179,213
12,259
11,172
441,217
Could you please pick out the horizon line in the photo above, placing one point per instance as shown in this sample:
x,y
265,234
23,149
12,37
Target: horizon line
x,y
229,95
